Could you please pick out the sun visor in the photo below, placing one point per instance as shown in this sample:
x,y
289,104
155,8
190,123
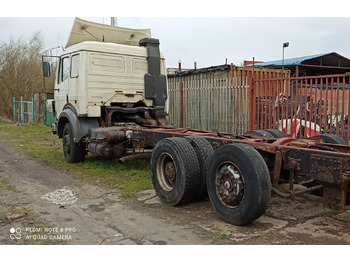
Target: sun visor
x,y
89,31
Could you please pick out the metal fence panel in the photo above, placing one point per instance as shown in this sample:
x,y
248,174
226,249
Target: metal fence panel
x,y
209,104
23,111
303,106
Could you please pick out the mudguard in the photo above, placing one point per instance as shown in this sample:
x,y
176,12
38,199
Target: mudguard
x,y
81,126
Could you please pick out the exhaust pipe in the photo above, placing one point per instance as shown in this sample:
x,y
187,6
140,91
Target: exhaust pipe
x,y
124,159
106,150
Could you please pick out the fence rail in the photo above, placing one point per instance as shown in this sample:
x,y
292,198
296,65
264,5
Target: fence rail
x,y
209,104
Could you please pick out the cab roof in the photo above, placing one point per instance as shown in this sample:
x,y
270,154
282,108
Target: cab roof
x,y
83,30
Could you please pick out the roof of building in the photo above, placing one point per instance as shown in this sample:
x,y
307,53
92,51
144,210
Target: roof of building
x,y
327,59
184,72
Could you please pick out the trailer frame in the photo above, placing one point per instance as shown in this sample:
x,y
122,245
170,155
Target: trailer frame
x,y
328,164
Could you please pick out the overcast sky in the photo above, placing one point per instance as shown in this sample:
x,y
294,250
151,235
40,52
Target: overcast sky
x,y
210,40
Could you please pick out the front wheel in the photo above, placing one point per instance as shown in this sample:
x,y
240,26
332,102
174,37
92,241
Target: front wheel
x,y
73,152
238,183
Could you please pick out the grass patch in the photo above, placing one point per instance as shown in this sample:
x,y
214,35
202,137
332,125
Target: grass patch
x,y
4,184
224,235
38,141
15,209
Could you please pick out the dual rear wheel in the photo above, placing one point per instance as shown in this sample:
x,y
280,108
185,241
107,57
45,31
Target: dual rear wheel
x,y
235,177
178,168
271,133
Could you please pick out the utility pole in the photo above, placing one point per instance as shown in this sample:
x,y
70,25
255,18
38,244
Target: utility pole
x,y
286,44
114,21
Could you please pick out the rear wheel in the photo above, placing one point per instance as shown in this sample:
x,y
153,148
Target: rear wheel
x,y
73,152
276,133
203,151
331,139
175,171
238,183
258,133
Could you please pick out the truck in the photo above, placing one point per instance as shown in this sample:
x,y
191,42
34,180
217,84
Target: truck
x,y
110,99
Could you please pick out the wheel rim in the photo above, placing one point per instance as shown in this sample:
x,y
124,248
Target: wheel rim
x,y
229,185
66,144
166,172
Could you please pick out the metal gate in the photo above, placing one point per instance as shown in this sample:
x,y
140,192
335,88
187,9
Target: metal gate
x,y
301,106
23,111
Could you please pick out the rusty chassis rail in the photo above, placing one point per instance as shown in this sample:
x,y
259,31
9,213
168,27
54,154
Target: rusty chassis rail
x,y
289,160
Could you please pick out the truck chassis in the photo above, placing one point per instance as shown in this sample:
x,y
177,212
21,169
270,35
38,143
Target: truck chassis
x,y
237,171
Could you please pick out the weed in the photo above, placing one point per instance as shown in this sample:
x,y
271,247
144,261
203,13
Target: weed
x,y
128,194
268,212
224,235
15,209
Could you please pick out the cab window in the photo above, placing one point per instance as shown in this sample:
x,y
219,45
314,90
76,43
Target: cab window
x,y
64,69
75,66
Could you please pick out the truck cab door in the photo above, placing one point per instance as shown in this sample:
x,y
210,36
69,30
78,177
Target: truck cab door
x,y
62,84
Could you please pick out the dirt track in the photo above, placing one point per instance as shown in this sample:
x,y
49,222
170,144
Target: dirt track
x,y
86,214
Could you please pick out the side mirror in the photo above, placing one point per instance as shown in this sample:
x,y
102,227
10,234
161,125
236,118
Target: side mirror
x,y
46,69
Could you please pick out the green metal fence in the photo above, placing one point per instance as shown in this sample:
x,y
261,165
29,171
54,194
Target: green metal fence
x,y
23,111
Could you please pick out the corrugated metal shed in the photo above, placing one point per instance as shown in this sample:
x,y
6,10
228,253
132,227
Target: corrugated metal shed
x,y
321,64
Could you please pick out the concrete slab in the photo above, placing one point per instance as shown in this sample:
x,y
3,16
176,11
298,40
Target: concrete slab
x,y
146,194
154,200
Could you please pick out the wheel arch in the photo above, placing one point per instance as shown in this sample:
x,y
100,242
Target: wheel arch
x,y
81,126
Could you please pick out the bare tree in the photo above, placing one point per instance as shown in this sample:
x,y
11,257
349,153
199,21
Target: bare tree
x,y
20,71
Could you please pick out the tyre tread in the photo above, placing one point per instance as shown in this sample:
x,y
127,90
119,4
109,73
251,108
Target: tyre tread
x,y
77,153
262,133
187,160
276,133
331,139
204,151
256,173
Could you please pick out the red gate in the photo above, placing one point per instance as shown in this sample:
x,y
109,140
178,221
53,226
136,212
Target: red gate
x,y
301,106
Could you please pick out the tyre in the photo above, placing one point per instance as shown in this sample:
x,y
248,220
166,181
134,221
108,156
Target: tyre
x,y
175,171
238,183
331,139
258,133
276,133
73,152
203,151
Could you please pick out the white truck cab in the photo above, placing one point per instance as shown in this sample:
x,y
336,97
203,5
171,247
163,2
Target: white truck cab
x,y
92,74
106,77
